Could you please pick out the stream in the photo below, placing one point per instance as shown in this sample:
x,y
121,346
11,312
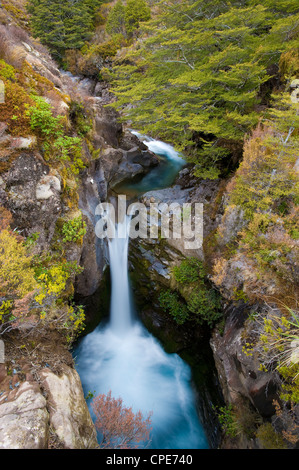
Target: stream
x,y
159,177
122,356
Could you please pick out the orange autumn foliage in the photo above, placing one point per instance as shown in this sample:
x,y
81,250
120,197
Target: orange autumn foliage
x,y
119,426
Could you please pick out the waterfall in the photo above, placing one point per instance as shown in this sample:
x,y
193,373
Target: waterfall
x,y
121,356
160,148
120,309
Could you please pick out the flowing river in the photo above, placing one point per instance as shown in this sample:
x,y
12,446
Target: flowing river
x,y
122,356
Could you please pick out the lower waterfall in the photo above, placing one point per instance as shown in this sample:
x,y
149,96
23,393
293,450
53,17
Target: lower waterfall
x,y
122,356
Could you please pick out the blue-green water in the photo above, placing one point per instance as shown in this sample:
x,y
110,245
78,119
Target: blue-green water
x,y
122,356
136,368
161,176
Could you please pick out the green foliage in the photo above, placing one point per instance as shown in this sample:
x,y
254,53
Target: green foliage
x,y
279,349
75,322
42,119
205,304
171,303
265,193
203,67
135,12
202,302
16,274
53,280
90,395
69,149
228,421
74,230
62,26
266,173
5,309
190,270
7,71
290,375
116,19
31,240
56,143
269,438
125,19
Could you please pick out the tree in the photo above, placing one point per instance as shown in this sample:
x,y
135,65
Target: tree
x,y
135,12
62,25
200,75
116,19
125,19
118,425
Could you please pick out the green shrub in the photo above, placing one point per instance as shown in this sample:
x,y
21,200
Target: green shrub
x,y
171,303
279,349
205,304
7,71
202,302
42,119
69,149
269,438
73,230
190,270
228,420
56,143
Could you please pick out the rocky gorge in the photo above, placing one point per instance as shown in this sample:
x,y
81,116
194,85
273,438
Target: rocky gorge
x,y
42,404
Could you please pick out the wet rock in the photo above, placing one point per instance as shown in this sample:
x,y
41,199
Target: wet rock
x,y
93,260
116,165
144,158
125,171
130,141
167,195
45,68
109,162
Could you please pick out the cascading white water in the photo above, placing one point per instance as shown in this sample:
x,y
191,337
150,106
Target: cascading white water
x,y
120,310
160,148
122,356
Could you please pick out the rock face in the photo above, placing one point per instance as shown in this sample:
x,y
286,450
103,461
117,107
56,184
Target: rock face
x,y
69,415
33,411
158,255
239,372
24,418
151,260
32,194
